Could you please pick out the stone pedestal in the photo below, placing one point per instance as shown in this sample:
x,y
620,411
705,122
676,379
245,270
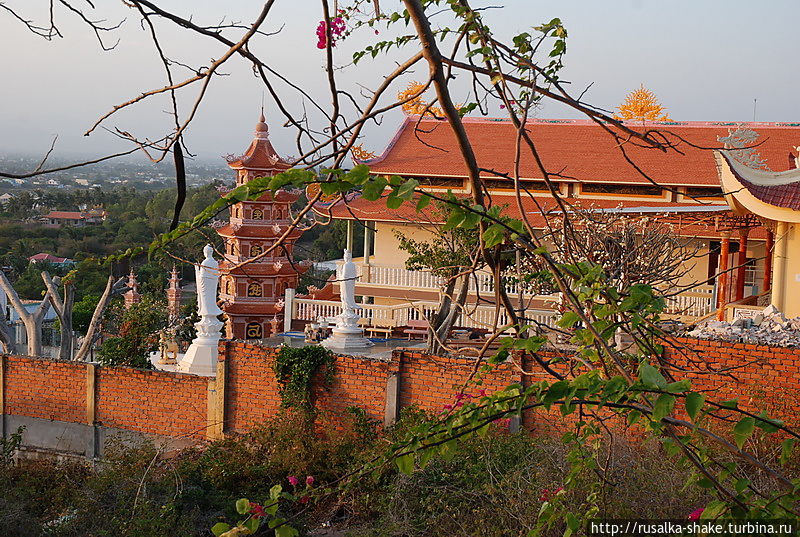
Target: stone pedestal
x,y
347,335
201,357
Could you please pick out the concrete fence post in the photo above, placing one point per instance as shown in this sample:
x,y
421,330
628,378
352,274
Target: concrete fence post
x,y
92,439
215,419
288,308
2,396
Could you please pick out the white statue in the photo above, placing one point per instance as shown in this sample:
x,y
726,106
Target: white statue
x,y
347,283
201,356
207,278
347,335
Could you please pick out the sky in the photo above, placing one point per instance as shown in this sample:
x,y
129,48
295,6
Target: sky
x,y
705,60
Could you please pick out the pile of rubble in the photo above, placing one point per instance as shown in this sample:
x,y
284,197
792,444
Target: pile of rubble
x,y
769,327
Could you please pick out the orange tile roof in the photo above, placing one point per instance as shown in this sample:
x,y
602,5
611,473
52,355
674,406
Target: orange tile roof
x,y
260,155
537,211
65,215
579,150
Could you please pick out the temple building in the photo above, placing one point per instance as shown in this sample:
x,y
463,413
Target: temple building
x,y
253,280
774,198
680,187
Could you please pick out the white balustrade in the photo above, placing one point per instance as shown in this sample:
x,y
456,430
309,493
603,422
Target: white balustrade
x,y
472,317
696,303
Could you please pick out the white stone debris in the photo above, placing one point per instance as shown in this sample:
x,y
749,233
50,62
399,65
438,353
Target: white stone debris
x,y
769,327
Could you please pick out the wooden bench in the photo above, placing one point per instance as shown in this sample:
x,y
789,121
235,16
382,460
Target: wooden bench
x,y
385,327
417,328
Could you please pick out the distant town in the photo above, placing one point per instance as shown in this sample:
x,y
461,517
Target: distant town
x,y
138,173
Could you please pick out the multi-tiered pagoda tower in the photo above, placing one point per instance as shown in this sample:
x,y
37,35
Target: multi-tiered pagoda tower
x,y
252,293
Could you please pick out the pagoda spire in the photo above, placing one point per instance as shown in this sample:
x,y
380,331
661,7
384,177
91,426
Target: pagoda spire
x,y
132,296
174,293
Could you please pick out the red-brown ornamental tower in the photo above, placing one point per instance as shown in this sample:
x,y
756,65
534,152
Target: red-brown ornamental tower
x,y
252,294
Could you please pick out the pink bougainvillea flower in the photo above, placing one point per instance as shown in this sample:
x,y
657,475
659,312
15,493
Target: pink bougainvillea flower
x,y
448,407
304,499
310,480
482,392
695,515
293,481
257,510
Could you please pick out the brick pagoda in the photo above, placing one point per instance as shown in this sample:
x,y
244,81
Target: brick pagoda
x,y
252,294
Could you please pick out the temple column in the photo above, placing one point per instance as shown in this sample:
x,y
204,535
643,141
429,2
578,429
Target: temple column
x,y
349,235
722,275
779,266
368,234
768,246
741,259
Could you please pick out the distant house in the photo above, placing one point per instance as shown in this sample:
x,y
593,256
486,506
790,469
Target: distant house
x,y
5,198
48,258
75,218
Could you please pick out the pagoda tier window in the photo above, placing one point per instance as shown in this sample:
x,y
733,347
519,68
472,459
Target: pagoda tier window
x,y
256,250
705,193
255,290
622,190
253,330
447,182
258,214
508,184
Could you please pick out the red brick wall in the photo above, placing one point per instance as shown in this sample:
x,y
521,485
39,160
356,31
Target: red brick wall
x,y
251,391
157,402
358,382
176,404
760,377
431,382
45,389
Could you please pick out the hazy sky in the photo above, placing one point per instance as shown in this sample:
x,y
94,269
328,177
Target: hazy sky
x,y
706,60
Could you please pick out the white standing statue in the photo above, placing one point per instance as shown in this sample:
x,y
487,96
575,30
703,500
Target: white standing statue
x,y
347,335
201,357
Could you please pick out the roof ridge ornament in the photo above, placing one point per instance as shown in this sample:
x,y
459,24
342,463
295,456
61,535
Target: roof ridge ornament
x,y
740,144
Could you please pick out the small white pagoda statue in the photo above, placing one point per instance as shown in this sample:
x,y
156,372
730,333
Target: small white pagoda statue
x,y
201,357
347,335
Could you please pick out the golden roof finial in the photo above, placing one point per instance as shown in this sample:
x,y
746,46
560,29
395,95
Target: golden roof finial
x,y
641,105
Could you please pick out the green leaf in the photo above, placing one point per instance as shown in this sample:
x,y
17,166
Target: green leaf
x,y
219,528
650,376
679,387
568,320
359,174
633,416
374,189
713,510
252,524
405,463
275,492
555,392
663,406
786,450
393,202
768,425
406,190
286,531
743,430
494,235
243,506
694,402
423,202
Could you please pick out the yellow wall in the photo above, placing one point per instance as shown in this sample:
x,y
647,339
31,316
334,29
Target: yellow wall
x,y
387,245
786,269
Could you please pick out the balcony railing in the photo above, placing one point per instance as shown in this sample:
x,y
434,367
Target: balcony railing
x,y
395,276
398,315
694,304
